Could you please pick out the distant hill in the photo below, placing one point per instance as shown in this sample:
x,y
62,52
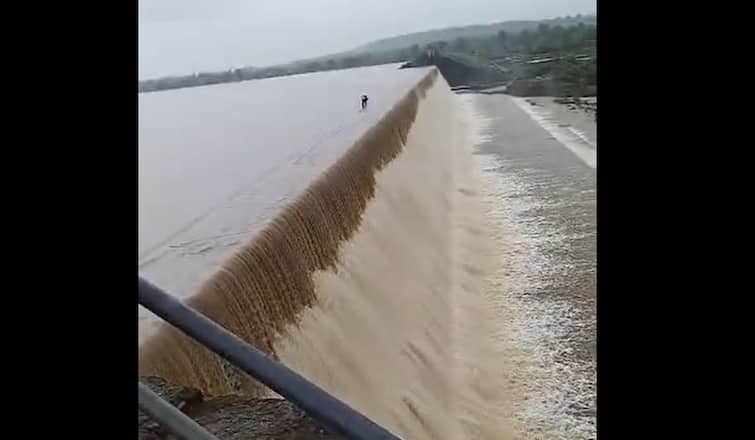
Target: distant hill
x,y
385,51
474,31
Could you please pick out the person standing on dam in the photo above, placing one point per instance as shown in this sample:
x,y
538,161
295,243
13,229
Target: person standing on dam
x,y
364,101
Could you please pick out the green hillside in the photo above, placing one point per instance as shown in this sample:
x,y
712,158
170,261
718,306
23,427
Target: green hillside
x,y
493,42
475,31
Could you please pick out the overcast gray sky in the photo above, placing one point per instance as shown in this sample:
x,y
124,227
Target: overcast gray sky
x,y
184,36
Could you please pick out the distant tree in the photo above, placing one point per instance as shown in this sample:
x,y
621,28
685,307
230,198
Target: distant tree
x,y
353,61
437,45
415,51
525,40
461,44
313,66
396,56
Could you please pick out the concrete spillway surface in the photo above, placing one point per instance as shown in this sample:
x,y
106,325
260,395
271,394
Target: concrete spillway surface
x,y
216,162
538,163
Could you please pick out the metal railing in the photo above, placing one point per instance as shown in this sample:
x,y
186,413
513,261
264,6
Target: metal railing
x,y
316,402
170,417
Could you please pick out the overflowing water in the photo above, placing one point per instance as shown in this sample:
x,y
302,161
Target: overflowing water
x,y
218,162
362,249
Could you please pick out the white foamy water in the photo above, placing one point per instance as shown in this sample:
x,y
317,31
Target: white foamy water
x,y
549,383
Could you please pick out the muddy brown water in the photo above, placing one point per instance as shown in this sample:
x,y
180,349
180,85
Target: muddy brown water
x,y
358,248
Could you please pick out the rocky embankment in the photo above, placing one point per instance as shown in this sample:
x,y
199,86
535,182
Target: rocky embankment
x,y
233,417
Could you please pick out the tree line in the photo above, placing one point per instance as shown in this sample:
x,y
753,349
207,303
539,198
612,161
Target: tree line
x,y
504,47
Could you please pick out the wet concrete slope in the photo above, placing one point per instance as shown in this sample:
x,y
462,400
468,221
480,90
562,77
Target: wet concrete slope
x,y
543,198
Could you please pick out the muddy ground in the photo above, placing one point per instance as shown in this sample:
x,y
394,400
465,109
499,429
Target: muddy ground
x,y
233,417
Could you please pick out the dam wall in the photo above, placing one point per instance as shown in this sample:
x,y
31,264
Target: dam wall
x,y
369,283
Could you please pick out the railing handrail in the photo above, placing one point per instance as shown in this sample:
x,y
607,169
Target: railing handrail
x,y
321,406
170,417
